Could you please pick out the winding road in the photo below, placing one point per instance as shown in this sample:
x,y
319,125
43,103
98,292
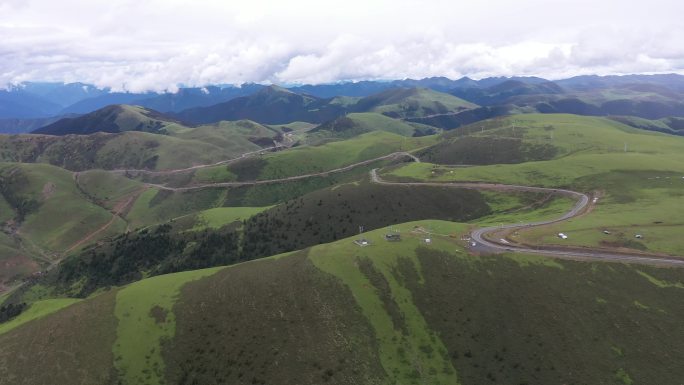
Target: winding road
x,y
280,180
199,166
479,236
483,244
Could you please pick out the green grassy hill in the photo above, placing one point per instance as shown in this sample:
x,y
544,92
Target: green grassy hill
x,y
356,124
46,214
637,177
178,286
308,159
123,136
270,105
45,211
300,160
112,119
238,136
248,233
180,147
667,125
388,313
49,208
412,103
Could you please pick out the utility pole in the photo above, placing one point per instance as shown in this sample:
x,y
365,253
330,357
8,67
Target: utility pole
x,y
625,146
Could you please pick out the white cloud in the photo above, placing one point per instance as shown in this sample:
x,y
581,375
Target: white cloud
x,y
161,44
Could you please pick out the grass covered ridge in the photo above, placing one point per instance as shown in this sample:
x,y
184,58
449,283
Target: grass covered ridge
x,y
392,312
638,190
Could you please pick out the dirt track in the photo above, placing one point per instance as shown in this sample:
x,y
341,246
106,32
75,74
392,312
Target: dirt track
x,y
288,179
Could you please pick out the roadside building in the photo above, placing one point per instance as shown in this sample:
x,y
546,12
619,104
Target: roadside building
x,y
393,237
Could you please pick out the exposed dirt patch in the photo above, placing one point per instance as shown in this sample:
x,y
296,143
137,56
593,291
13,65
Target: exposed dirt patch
x,y
49,189
624,244
14,267
159,314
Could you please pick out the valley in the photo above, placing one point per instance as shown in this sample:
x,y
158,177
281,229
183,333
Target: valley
x,y
345,239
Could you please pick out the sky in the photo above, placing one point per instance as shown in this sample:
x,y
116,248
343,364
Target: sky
x,y
159,45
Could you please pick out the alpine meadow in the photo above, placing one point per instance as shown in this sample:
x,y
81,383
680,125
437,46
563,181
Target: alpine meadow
x,y
303,193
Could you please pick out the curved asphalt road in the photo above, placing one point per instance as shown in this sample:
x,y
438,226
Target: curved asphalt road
x,y
479,235
485,245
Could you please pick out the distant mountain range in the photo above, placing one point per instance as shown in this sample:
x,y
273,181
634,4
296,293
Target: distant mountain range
x,y
29,106
269,105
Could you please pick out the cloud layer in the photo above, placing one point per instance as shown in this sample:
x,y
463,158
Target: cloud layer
x,y
161,44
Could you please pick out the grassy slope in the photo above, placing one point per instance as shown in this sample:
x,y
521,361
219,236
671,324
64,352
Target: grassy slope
x,y
136,118
179,147
37,310
16,263
110,151
310,159
419,102
642,186
65,347
155,206
376,122
107,189
65,212
232,136
221,216
306,159
507,320
355,124
145,321
63,215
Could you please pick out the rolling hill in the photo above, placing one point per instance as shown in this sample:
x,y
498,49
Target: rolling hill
x,y
255,250
340,313
45,214
270,105
321,216
276,105
134,150
504,92
647,109
355,124
111,119
187,98
412,103
167,145
637,176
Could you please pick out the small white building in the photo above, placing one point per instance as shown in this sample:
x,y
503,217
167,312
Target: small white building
x,y
362,242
